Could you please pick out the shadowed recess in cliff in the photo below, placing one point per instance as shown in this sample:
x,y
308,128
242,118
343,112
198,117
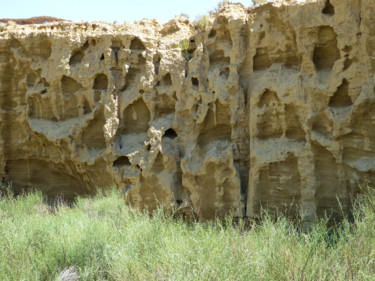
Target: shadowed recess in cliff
x,y
216,126
326,52
329,9
279,187
100,82
78,55
136,44
341,97
121,161
93,135
330,192
136,118
293,123
261,60
58,107
269,121
56,178
218,57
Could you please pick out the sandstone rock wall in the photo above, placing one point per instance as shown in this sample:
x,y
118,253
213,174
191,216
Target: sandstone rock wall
x,y
271,106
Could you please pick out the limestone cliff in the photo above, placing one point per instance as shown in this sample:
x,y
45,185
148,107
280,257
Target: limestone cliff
x,y
269,106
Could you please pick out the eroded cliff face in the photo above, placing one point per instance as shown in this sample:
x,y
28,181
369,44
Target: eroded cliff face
x,y
271,107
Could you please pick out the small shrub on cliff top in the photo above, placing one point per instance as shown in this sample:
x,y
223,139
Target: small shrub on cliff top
x,y
221,3
202,21
184,15
258,2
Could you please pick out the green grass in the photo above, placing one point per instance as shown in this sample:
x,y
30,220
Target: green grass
x,y
102,239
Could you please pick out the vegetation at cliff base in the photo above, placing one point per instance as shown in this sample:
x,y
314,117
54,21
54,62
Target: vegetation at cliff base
x,y
100,238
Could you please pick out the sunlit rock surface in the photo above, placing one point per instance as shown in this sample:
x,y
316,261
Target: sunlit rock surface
x,y
270,107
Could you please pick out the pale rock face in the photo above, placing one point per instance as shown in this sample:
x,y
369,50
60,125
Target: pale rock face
x,y
271,106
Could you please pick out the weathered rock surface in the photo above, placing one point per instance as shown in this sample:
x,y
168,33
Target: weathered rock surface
x,y
271,106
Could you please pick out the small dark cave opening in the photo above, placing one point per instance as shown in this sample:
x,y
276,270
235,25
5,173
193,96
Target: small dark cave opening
x,y
170,133
195,81
329,9
121,161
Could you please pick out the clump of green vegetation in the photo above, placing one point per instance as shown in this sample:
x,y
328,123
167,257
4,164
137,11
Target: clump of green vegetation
x,y
202,22
102,239
258,2
220,4
1,28
184,46
184,15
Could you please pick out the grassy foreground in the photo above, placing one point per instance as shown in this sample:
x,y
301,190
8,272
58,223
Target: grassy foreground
x,y
102,239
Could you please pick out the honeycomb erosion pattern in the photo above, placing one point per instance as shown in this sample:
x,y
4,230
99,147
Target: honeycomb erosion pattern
x,y
271,106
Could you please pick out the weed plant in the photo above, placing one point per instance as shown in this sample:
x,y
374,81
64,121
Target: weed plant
x,y
100,238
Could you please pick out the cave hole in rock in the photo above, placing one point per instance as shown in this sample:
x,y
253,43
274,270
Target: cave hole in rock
x,y
136,118
326,52
329,9
116,44
347,63
341,97
261,60
100,82
167,80
195,81
192,47
69,85
294,127
156,60
102,57
179,202
212,33
170,133
137,44
268,124
216,126
57,178
93,135
148,147
76,58
218,57
121,161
